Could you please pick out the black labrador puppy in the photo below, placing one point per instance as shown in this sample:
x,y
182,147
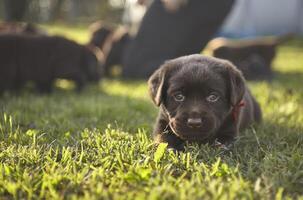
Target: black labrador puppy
x,y
201,99
42,59
253,57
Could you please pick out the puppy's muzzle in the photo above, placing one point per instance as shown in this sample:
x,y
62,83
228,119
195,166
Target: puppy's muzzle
x,y
193,126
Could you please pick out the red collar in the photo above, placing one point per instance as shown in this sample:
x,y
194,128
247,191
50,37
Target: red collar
x,y
236,110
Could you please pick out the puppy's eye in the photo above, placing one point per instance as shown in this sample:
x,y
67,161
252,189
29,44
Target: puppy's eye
x,y
213,97
179,97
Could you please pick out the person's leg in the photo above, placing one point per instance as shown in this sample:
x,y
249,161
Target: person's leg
x,y
164,35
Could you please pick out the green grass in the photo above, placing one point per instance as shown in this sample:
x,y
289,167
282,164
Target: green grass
x,y
97,145
79,33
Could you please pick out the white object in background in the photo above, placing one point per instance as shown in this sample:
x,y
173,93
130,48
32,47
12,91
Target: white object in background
x,y
133,14
264,17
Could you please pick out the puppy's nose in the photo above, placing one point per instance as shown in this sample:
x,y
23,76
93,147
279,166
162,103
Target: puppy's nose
x,y
194,122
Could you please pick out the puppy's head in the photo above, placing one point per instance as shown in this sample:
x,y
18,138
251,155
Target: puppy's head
x,y
92,64
197,94
115,49
99,33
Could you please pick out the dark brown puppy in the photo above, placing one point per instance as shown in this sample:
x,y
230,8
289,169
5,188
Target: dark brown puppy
x,y
111,42
42,59
253,57
201,99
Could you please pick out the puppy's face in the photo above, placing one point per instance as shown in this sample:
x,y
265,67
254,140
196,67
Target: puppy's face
x,y
197,94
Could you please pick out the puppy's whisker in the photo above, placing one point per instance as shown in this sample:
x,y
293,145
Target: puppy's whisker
x,y
167,113
165,130
172,127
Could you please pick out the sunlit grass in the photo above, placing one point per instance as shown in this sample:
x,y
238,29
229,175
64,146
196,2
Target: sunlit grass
x,y
97,144
79,33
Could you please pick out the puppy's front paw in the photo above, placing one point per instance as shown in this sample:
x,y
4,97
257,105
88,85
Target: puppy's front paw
x,y
176,148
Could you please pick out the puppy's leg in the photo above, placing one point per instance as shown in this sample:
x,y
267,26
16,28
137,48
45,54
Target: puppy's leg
x,y
228,132
162,133
227,138
173,141
80,83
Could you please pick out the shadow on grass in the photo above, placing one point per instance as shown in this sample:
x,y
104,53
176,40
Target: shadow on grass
x,y
67,113
273,153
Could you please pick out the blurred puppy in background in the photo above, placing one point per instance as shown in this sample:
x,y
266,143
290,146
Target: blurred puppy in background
x,y
100,33
253,57
112,42
43,59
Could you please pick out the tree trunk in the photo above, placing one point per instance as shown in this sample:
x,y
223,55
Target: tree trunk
x,y
15,9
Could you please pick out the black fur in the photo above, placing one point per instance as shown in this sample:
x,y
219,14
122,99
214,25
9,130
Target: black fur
x,y
42,59
197,118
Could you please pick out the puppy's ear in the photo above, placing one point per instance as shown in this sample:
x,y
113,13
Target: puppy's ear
x,y
156,84
236,84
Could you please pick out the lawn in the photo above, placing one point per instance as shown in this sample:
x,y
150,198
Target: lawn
x,y
97,144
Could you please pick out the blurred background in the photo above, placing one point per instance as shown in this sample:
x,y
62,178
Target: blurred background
x,y
69,11
247,18
139,35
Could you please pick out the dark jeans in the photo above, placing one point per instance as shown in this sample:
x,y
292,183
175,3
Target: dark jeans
x,y
165,35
